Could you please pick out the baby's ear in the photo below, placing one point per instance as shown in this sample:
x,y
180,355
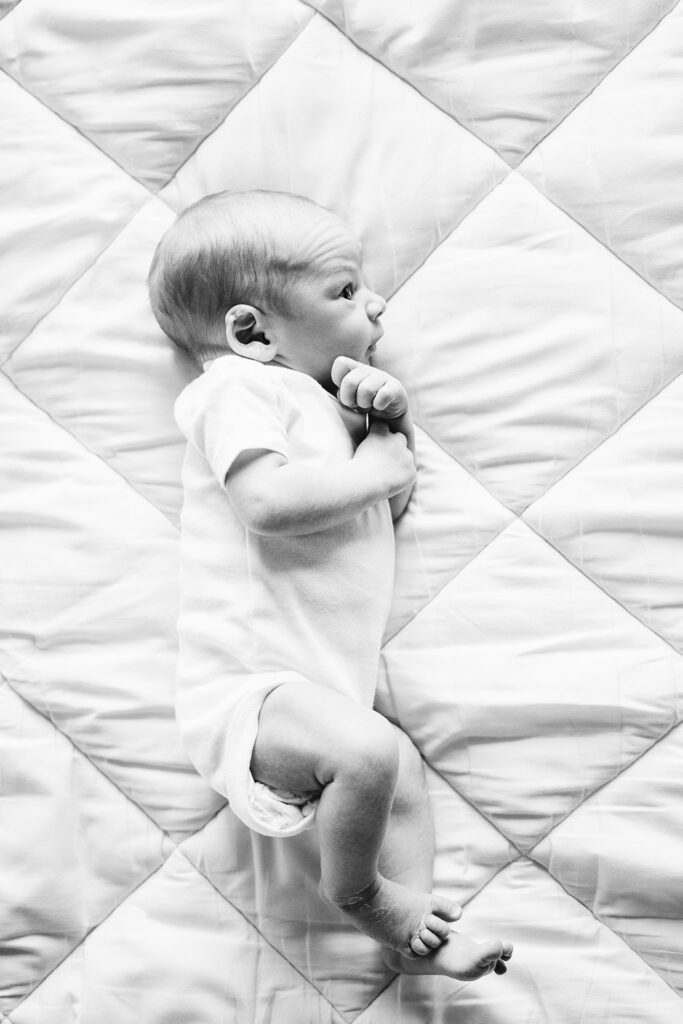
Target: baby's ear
x,y
245,335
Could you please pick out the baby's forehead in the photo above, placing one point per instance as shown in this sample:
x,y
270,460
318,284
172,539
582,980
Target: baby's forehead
x,y
325,245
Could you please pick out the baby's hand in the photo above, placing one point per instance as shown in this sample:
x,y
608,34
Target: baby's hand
x,y
391,459
368,389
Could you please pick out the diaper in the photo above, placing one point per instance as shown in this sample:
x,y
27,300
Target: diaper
x,y
271,812
276,812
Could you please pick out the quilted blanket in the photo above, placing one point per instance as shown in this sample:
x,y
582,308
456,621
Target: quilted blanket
x,y
514,171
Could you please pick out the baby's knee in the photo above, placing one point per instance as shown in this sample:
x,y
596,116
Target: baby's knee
x,y
309,735
370,753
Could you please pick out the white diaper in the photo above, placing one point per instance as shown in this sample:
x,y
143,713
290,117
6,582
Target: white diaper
x,y
276,812
267,811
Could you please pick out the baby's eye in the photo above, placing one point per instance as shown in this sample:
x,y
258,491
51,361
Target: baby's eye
x,y
347,291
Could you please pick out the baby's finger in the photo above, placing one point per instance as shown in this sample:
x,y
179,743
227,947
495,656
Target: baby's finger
x,y
384,397
368,389
341,366
348,389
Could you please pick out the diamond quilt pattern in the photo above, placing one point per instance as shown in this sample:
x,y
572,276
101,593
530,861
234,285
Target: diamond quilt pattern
x,y
514,175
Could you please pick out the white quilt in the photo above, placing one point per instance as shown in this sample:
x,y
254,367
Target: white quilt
x,y
514,171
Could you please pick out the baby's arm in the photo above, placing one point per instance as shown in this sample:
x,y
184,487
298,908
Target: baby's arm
x,y
383,397
274,497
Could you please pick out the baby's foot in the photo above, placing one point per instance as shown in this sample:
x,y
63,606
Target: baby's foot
x,y
458,957
412,923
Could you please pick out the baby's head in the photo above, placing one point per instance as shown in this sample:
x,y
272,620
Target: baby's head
x,y
268,276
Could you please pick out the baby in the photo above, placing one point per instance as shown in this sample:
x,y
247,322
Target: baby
x,y
287,559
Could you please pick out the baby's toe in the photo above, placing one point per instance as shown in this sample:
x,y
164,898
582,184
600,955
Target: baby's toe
x,y
445,908
419,947
429,938
490,953
440,928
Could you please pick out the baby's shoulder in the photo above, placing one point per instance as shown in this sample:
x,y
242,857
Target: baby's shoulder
x,y
228,378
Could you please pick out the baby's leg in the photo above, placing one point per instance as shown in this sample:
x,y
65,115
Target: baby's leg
x,y
311,738
407,856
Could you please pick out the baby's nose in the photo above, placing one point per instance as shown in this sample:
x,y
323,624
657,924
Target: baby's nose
x,y
376,306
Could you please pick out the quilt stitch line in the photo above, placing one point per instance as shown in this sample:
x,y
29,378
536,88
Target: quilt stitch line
x,y
74,127
9,355
151,194
446,583
16,690
468,800
90,931
609,928
677,724
407,81
235,105
258,931
624,57
634,270
558,821
520,516
100,458
607,594
518,166
607,437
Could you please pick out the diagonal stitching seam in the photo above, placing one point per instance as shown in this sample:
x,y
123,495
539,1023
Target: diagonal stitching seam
x,y
16,690
599,586
95,455
634,270
237,103
152,194
600,443
251,924
87,934
416,88
516,167
597,85
677,724
74,127
604,924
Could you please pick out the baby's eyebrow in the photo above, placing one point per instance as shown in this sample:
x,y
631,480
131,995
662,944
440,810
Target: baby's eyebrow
x,y
343,268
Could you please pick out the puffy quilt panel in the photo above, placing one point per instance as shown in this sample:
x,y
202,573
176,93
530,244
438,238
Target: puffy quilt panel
x,y
514,172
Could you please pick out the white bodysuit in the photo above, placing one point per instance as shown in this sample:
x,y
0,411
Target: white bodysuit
x,y
257,611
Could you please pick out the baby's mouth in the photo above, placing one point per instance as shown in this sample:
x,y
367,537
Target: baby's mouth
x,y
373,346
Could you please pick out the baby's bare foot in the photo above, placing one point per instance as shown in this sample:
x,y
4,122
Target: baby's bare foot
x,y
412,923
458,957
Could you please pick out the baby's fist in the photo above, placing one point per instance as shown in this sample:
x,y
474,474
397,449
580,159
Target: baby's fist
x,y
368,389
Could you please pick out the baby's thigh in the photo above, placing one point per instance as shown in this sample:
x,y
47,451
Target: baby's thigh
x,y
308,733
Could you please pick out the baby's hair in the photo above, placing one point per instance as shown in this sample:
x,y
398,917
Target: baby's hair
x,y
228,248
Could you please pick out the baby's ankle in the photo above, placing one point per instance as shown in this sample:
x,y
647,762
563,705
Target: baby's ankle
x,y
355,900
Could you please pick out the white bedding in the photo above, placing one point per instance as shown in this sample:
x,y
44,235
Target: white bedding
x,y
514,172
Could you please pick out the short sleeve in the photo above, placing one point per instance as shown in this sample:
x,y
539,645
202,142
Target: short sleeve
x,y
233,407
